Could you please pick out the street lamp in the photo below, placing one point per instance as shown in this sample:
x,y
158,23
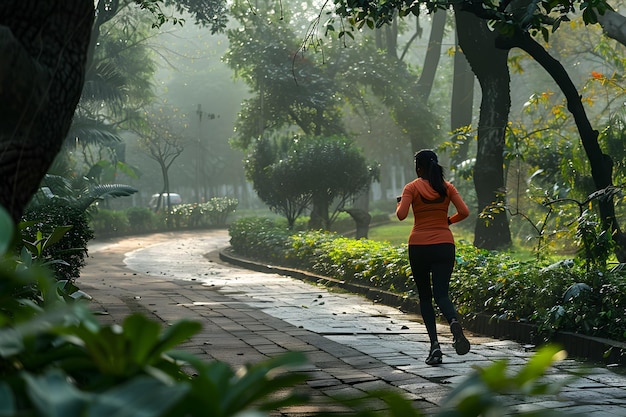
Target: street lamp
x,y
200,155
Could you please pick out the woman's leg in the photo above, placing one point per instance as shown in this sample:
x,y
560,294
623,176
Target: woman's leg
x,y
442,266
421,267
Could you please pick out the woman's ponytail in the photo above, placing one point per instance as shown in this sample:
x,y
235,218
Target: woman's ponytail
x,y
431,170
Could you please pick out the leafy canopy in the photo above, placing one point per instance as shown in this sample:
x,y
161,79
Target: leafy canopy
x,y
505,16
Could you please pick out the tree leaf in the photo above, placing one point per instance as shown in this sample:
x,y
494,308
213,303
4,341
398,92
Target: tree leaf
x,y
53,395
7,229
7,400
142,396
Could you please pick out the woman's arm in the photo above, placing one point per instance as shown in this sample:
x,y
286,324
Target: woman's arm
x,y
402,208
462,211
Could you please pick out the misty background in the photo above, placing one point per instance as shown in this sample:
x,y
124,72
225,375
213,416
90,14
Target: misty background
x,y
193,78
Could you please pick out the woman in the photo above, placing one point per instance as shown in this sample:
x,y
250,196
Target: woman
x,y
431,246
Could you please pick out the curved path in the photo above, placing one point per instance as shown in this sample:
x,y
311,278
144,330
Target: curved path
x,y
353,344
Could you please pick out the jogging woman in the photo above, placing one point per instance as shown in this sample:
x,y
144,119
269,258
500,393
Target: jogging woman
x,y
431,246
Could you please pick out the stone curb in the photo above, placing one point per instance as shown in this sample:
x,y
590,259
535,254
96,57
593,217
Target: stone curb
x,y
586,347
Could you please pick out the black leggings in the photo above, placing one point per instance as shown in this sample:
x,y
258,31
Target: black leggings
x,y
438,261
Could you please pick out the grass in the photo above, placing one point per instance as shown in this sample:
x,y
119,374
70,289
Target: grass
x,y
397,232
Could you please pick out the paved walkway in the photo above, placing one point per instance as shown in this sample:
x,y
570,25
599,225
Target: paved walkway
x,y
352,344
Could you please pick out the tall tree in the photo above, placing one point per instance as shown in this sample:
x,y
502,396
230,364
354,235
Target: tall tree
x,y
601,163
291,173
515,23
39,88
491,68
290,90
44,45
162,140
462,101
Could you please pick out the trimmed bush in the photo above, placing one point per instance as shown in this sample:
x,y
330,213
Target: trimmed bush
x,y
107,222
71,249
563,296
141,219
213,213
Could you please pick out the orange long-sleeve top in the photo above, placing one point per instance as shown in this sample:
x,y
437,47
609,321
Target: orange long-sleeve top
x,y
430,212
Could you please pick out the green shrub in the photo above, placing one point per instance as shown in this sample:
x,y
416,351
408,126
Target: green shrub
x,y
109,222
367,262
218,210
141,219
213,213
483,282
259,238
362,261
71,248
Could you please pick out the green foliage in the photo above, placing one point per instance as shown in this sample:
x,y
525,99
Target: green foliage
x,y
291,173
219,391
376,264
141,219
56,359
259,238
595,245
594,306
499,285
537,18
496,283
213,213
217,210
207,13
81,192
85,369
48,220
278,188
289,91
109,222
140,346
483,282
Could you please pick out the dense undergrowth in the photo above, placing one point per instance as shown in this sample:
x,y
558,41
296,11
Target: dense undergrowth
x,y
565,296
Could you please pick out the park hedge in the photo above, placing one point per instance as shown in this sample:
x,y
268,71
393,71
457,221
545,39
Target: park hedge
x,y
562,296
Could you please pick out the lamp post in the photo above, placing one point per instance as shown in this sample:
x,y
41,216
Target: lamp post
x,y
200,156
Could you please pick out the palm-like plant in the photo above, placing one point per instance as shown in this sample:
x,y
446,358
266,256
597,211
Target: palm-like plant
x,y
79,192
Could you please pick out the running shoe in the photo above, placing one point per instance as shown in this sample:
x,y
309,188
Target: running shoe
x,y
435,357
460,342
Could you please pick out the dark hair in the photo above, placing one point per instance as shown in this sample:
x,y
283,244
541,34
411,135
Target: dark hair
x,y
431,170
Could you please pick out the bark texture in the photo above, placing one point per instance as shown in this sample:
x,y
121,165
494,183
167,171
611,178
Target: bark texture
x,y
43,44
490,66
614,25
462,102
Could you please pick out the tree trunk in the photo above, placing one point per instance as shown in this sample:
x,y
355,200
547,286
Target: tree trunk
x,y
614,25
39,88
601,164
421,139
433,53
491,68
319,214
462,103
